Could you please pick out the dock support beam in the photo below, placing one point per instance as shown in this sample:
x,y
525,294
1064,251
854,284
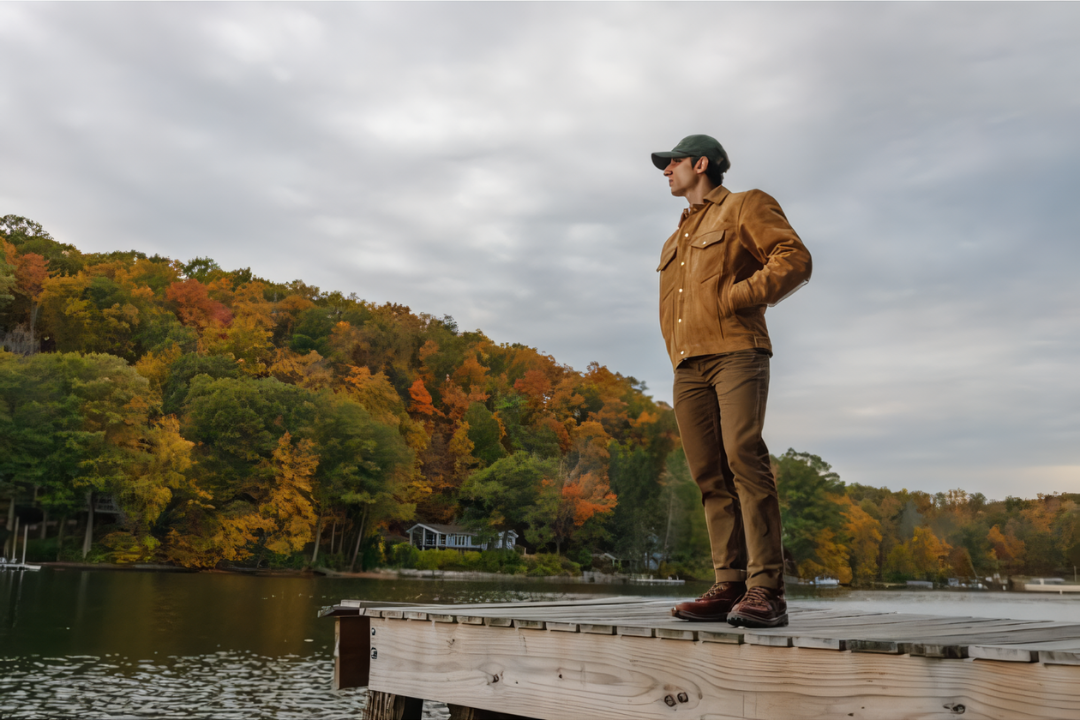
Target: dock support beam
x,y
385,706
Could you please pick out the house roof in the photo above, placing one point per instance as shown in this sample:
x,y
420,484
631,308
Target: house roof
x,y
450,529
444,529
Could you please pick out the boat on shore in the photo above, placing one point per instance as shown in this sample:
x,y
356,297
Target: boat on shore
x,y
1050,585
14,564
650,580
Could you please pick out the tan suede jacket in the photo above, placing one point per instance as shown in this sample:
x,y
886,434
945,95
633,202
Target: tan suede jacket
x,y
730,257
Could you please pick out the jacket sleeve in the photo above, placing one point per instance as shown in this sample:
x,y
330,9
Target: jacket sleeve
x,y
764,232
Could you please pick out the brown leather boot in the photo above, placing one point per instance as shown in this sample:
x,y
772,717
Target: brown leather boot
x,y
713,606
761,607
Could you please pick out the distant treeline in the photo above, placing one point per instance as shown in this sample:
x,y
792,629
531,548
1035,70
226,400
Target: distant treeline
x,y
240,421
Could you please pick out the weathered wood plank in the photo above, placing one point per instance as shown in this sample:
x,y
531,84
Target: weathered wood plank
x,y
635,631
523,606
571,675
1052,652
676,634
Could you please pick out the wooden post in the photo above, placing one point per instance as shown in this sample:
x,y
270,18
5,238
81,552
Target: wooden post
x,y
352,651
384,706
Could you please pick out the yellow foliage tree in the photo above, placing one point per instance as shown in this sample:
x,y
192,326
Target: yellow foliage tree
x,y
286,504
924,556
148,489
375,394
830,558
308,371
155,367
1008,549
864,540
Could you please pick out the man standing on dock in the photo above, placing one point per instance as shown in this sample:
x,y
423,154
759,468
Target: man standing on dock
x,y
731,256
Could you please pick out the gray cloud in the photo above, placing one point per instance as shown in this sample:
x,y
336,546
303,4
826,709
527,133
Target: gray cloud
x,y
489,161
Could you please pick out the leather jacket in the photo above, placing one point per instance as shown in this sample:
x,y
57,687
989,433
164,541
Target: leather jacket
x,y
730,258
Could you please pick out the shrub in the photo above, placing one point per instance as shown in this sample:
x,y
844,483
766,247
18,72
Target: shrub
x,y
371,555
402,555
546,564
448,560
501,561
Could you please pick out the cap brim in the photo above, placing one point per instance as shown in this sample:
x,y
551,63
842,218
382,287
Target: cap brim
x,y
661,159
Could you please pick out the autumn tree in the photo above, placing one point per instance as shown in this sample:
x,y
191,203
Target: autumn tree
x,y
150,483
1007,549
863,536
807,487
31,272
195,307
923,557
7,274
286,503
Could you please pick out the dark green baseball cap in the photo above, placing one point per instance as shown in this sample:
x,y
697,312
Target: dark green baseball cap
x,y
695,146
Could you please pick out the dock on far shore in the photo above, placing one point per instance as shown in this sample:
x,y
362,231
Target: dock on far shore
x,y
624,657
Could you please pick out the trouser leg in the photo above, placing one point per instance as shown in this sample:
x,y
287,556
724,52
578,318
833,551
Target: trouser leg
x,y
720,407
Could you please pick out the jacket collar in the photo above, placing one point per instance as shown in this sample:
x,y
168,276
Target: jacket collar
x,y
717,195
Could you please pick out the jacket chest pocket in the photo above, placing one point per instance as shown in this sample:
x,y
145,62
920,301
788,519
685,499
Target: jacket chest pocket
x,y
705,258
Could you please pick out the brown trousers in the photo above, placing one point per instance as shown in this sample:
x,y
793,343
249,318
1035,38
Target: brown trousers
x,y
720,407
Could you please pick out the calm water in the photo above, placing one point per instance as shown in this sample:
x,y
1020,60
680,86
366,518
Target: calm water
x,y
105,644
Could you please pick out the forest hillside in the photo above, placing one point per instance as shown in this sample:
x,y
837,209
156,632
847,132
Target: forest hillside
x,y
238,421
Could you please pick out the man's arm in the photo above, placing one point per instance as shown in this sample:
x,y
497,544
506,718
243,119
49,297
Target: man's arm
x,y
766,234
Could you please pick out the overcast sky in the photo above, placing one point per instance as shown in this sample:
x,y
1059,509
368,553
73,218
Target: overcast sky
x,y
491,162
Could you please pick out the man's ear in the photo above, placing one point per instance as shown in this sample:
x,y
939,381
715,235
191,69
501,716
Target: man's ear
x,y
702,165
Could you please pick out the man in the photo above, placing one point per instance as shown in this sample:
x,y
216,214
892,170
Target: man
x,y
731,256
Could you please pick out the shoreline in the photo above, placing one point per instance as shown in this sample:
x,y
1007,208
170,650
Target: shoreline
x,y
378,574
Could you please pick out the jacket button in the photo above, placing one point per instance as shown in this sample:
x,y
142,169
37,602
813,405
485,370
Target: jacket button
x,y
682,263
687,235
680,319
680,289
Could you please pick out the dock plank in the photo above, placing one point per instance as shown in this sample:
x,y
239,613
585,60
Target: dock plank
x,y
835,629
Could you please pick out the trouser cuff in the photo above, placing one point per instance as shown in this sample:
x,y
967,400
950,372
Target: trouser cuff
x,y
774,582
729,575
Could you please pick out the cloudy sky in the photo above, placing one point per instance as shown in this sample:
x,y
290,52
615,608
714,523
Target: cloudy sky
x,y
490,161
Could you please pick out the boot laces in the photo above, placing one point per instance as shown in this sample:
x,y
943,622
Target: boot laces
x,y
758,596
715,590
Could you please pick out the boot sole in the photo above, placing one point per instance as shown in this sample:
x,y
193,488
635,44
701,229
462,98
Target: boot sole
x,y
743,621
698,618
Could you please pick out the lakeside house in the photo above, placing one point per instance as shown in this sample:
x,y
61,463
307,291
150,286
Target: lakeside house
x,y
433,536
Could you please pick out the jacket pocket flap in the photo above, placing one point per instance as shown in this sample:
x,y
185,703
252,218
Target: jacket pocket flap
x,y
707,239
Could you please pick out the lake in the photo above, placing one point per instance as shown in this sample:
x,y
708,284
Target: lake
x,y
142,645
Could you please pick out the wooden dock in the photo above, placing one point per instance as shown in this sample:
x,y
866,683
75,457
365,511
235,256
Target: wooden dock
x,y
621,657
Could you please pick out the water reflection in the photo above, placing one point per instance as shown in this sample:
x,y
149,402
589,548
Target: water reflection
x,y
218,686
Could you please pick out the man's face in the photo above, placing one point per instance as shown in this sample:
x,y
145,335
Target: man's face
x,y
681,176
